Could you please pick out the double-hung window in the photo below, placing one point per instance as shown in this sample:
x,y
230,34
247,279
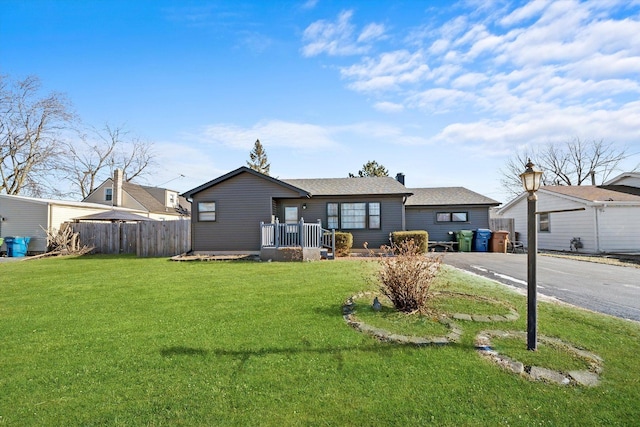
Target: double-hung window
x,y
332,216
353,216
543,222
206,211
108,194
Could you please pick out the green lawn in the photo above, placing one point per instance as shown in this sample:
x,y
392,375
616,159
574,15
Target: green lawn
x,y
126,341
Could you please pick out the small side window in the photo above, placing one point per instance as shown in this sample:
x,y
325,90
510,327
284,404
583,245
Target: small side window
x,y
459,217
543,223
108,194
206,211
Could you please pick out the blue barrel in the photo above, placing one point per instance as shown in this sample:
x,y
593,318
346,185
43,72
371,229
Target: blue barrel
x,y
481,241
17,246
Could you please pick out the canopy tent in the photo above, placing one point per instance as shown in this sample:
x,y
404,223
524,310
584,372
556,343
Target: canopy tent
x,y
114,216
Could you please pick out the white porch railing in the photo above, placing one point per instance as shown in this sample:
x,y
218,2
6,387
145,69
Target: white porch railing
x,y
300,234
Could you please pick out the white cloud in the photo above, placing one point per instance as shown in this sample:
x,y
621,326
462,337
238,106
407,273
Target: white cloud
x,y
371,32
274,133
388,107
440,100
525,12
338,38
309,4
469,80
388,71
547,69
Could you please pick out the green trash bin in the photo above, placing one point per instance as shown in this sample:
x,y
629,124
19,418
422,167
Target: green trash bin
x,y
465,237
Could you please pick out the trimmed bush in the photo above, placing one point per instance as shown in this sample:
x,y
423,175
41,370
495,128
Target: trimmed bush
x,y
419,237
344,242
406,277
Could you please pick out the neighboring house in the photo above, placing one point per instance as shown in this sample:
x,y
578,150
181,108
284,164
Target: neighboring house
x,y
610,221
228,210
27,216
446,209
159,203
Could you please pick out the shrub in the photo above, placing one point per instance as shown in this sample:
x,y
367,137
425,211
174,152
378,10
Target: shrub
x,y
420,238
406,277
344,242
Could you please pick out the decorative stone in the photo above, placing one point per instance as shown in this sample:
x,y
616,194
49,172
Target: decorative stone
x,y
585,378
462,316
516,367
480,318
545,374
588,378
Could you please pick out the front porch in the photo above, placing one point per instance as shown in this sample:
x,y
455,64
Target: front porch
x,y
296,241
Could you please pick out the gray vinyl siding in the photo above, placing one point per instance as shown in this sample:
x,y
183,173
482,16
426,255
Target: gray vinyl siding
x,y
241,204
424,218
391,216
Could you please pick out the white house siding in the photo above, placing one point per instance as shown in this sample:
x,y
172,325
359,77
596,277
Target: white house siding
x,y
619,228
563,226
518,211
23,219
631,181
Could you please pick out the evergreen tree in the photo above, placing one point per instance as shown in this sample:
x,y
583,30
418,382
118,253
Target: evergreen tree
x,y
371,168
259,161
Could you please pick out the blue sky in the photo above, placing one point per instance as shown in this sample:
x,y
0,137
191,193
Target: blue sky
x,y
441,91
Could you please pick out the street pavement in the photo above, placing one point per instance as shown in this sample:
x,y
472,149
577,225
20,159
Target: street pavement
x,y
604,288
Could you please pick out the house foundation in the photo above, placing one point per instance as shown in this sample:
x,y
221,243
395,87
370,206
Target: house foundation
x,y
294,253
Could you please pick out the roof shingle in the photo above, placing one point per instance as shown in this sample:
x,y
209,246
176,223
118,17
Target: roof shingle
x,y
447,196
607,193
349,186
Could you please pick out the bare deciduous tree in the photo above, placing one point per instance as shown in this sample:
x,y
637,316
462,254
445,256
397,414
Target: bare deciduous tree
x,y
30,144
574,162
93,159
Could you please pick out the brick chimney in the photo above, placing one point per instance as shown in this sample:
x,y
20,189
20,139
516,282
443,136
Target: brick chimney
x,y
400,178
118,177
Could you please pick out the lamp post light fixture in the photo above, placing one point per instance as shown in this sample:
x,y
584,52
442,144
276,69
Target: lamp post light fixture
x,y
531,183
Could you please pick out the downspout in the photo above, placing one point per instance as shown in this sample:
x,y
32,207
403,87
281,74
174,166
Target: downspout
x,y
597,225
49,221
404,200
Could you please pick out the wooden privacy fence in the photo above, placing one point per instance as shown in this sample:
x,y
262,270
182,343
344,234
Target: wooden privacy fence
x,y
506,224
145,239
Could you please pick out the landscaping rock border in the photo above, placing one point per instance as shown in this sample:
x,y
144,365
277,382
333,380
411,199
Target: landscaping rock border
x,y
348,309
587,378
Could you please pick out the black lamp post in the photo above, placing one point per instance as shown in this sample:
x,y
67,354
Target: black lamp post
x,y
531,183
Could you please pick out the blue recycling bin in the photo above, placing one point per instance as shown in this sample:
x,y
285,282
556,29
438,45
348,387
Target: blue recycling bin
x,y
17,246
481,240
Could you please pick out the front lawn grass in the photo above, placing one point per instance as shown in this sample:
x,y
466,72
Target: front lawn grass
x,y
102,340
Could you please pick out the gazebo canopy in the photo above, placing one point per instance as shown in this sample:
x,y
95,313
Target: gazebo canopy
x,y
114,216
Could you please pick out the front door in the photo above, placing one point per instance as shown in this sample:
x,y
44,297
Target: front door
x,y
291,237
291,214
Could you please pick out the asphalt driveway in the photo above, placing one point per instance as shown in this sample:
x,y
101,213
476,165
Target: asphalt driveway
x,y
609,289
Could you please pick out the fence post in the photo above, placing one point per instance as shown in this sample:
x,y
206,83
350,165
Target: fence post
x,y
301,232
333,242
261,234
276,231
